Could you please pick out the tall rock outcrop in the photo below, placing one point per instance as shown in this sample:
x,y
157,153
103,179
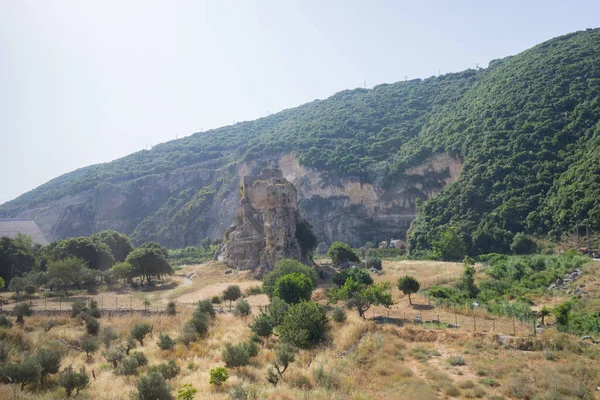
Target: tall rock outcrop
x,y
267,225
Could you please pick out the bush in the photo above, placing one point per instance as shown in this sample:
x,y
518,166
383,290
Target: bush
x,y
92,325
340,253
188,333
200,321
523,244
338,314
277,310
94,309
218,376
165,342
171,308
153,387
285,354
293,288
89,346
108,335
304,325
235,356
215,300
27,372
187,392
22,310
262,326
373,262
252,348
141,358
129,366
71,380
359,275
457,361
77,308
242,308
49,361
168,371
5,322
284,267
206,307
139,332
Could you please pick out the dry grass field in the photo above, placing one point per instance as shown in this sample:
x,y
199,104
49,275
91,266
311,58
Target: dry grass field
x,y
360,359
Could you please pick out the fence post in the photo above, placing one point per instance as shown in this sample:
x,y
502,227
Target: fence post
x,y
474,324
59,303
493,325
455,320
116,303
514,331
130,303
45,298
438,320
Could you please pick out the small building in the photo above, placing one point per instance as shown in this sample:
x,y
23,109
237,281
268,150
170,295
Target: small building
x,y
11,227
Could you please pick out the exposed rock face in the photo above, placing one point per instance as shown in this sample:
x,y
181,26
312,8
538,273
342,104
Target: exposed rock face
x,y
267,225
322,248
181,207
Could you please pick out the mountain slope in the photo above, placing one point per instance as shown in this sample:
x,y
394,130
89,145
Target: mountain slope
x,y
508,148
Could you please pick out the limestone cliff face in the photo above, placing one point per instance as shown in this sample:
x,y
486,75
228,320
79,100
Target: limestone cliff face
x,y
265,227
180,208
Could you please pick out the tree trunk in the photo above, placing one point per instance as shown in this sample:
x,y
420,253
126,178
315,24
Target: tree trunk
x,y
409,299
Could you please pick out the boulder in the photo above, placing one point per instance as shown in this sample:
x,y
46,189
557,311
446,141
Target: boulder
x,y
397,244
383,245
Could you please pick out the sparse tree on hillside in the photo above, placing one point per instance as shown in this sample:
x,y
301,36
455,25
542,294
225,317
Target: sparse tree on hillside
x,y
284,267
293,288
451,245
149,262
361,296
232,293
408,285
119,244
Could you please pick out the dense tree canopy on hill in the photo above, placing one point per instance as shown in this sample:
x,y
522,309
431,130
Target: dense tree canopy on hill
x,y
526,129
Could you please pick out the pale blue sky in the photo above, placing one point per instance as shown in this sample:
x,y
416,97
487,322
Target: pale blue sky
x,y
84,82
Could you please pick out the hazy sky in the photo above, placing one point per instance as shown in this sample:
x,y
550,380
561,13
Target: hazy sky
x,y
85,82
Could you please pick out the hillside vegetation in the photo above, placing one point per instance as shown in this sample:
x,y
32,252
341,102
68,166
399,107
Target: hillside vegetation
x,y
526,129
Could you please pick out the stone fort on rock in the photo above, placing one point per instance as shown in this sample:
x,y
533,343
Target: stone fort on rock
x,y
267,225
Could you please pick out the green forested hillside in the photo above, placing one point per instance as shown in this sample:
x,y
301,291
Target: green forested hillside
x,y
526,129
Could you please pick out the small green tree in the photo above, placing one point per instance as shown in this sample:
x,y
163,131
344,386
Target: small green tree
x,y
361,296
89,346
139,332
17,285
114,355
188,333
467,280
561,313
284,267
153,387
187,392
340,253
92,325
408,285
304,325
232,293
168,371
71,380
242,308
523,244
218,376
262,326
165,342
360,275
22,310
27,372
200,321
277,310
285,354
207,307
544,312
171,309
450,246
108,335
293,288
122,271
2,283
49,361
338,314
5,321
235,356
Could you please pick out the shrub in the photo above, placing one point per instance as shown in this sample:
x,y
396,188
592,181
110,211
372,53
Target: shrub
x,y
71,380
242,308
89,346
165,342
187,392
108,335
457,361
373,262
22,310
114,356
262,326
254,290
215,300
338,314
235,356
232,293
92,325
305,324
94,309
284,267
26,372
206,307
129,366
277,310
49,361
5,322
489,382
139,332
77,308
523,244
252,348
218,376
168,371
188,333
153,387
141,358
359,275
200,321
293,288
171,308
326,380
285,354
340,252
